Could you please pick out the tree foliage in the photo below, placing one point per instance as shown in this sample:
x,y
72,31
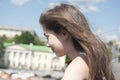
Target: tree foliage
x,y
3,38
39,42
1,48
25,38
67,61
110,43
109,53
2,53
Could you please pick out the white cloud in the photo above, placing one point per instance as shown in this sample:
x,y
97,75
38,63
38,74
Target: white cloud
x,y
52,5
87,5
83,5
93,8
19,2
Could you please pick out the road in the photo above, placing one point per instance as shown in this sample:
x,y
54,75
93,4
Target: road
x,y
115,67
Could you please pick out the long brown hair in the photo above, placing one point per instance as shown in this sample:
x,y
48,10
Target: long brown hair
x,y
69,18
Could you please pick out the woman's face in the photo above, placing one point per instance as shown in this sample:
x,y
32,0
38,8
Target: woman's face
x,y
56,42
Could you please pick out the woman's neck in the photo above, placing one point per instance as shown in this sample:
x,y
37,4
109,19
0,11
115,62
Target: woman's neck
x,y
71,50
73,53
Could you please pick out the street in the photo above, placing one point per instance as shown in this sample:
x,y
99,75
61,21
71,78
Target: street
x,y
114,65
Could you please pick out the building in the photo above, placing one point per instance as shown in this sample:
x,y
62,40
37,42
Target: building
x,y
32,57
118,44
10,32
116,51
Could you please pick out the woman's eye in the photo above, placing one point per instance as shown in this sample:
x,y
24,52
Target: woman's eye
x,y
46,36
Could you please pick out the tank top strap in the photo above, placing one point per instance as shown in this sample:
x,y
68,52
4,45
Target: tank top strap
x,y
83,54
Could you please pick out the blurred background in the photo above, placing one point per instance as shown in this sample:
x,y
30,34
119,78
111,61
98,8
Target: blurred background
x,y
23,52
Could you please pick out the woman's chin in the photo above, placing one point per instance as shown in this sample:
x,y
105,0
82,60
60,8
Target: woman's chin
x,y
59,55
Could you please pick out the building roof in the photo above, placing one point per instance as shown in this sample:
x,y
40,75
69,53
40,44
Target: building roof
x,y
32,47
15,28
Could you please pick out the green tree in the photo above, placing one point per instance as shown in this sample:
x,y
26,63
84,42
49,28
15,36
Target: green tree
x,y
109,53
25,38
67,61
39,42
1,48
10,40
1,54
16,38
3,38
110,43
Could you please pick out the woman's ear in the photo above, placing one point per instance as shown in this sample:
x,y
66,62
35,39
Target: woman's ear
x,y
65,35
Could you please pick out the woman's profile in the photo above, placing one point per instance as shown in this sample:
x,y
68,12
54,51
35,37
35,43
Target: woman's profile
x,y
68,33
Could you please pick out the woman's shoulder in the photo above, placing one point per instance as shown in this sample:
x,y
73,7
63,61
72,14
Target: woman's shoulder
x,y
78,64
76,70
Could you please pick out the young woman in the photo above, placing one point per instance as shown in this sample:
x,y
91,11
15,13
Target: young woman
x,y
68,33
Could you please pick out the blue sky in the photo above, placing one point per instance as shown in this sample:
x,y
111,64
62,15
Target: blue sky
x,y
103,15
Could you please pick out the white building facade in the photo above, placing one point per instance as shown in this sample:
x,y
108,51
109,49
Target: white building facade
x,y
33,57
10,32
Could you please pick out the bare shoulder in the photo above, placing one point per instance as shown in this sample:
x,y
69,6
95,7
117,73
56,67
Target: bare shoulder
x,y
77,70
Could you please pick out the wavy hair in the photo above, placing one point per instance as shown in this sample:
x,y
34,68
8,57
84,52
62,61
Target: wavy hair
x,y
69,18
